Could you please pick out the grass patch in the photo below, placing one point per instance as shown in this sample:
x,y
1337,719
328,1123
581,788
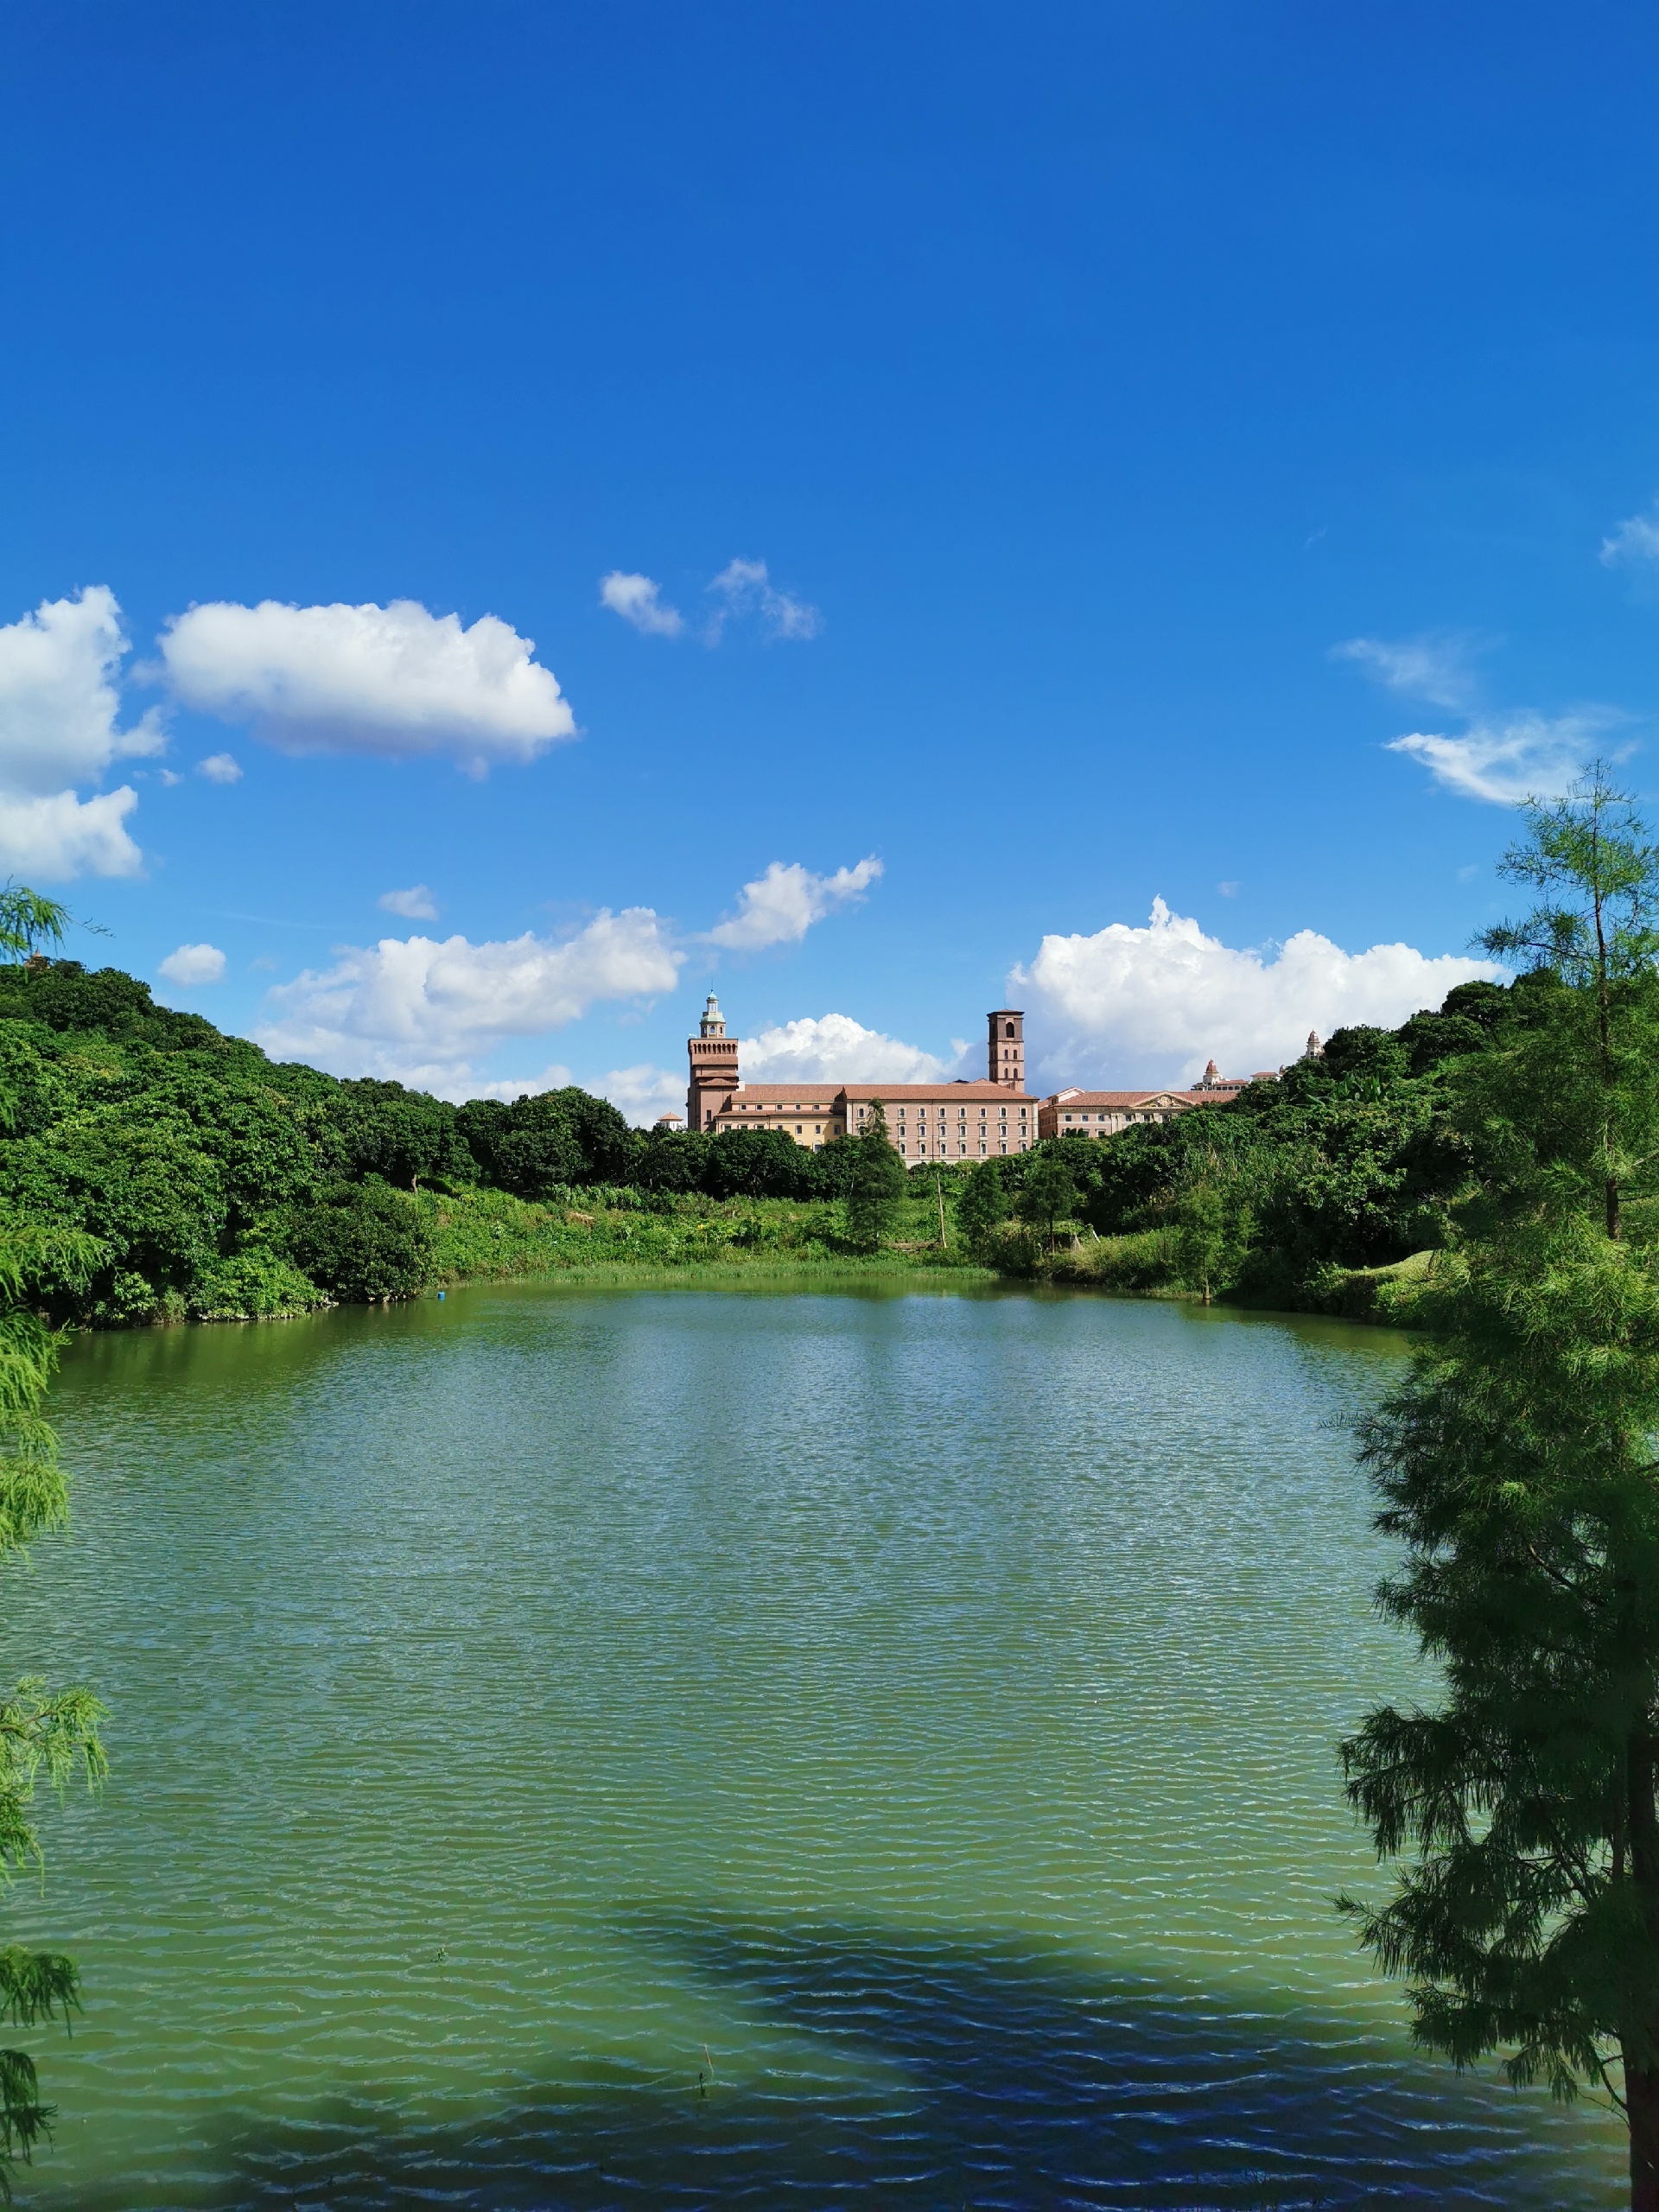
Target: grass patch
x,y
481,1234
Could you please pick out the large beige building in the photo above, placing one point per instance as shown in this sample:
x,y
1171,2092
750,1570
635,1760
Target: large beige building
x,y
964,1120
926,1120
1104,1113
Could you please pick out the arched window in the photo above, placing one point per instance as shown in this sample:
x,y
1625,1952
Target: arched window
x,y
1008,1029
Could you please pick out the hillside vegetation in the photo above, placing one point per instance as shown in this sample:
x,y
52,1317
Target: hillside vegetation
x,y
220,1184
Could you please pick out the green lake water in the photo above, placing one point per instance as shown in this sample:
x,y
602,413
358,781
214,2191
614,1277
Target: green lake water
x,y
679,1748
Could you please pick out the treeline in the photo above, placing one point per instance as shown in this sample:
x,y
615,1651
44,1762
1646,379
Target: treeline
x,y
218,1183
1355,1158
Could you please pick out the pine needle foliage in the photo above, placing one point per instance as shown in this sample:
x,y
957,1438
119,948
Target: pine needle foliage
x,y
1519,1467
43,1733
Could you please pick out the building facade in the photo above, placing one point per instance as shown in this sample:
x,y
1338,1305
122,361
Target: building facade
x,y
926,1120
1104,1113
967,1119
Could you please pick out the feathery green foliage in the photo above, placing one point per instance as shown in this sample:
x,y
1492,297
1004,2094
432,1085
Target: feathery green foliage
x,y
1519,1466
41,1731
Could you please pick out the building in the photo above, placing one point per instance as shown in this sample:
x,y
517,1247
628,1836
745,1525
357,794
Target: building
x,y
1104,1113
926,1120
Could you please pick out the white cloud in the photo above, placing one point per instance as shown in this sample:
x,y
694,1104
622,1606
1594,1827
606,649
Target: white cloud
x,y
50,840
637,600
834,1048
422,1009
781,906
1525,756
393,681
1499,757
1435,667
641,1093
743,588
414,905
193,964
1152,1005
60,725
554,1076
1636,538
220,768
59,704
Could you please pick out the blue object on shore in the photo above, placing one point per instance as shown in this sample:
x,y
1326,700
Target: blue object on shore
x,y
440,1298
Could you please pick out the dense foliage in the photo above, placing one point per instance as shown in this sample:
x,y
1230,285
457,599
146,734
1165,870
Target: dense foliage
x,y
1357,1158
42,1730
1518,1469
218,1183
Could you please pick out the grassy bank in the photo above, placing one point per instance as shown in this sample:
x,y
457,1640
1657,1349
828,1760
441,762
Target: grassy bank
x,y
479,1235
1146,1264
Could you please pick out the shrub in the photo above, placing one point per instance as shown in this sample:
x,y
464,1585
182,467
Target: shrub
x,y
363,1242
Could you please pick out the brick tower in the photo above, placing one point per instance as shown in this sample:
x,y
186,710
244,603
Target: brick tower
x,y
714,1067
1008,1053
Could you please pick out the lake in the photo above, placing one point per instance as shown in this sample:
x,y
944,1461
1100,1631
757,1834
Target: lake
x,y
675,1748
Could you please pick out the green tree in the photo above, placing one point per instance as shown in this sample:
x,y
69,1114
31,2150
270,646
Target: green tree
x,y
363,1242
1201,1240
875,1181
1518,1467
1049,1193
982,1208
41,1730
1592,1105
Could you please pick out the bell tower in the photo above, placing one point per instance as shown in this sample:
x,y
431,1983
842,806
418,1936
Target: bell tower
x,y
1008,1048
714,1067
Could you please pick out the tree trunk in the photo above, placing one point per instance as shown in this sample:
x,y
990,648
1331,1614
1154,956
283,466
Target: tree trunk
x,y
1642,2102
1614,1225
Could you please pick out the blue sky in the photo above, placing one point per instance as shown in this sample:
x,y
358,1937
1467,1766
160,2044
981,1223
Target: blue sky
x,y
1126,423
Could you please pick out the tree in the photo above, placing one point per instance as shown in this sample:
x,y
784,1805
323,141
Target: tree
x,y
1201,1234
875,1181
982,1208
364,1242
28,921
1518,1467
41,1730
1595,933
1049,1193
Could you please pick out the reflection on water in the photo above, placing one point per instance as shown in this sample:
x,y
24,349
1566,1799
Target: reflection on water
x,y
588,1748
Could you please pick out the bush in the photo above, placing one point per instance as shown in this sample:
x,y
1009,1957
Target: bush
x,y
363,1242
252,1286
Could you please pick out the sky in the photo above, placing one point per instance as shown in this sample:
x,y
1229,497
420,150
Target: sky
x,y
518,515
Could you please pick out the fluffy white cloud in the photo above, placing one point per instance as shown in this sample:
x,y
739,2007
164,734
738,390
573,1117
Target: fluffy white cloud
x,y
743,588
393,681
60,725
834,1048
420,1009
637,600
50,840
1435,667
192,963
414,905
554,1076
220,768
1152,1005
643,1092
781,906
59,708
1636,538
1525,756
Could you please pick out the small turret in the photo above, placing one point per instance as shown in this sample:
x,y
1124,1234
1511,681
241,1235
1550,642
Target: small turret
x,y
712,1023
1314,1047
